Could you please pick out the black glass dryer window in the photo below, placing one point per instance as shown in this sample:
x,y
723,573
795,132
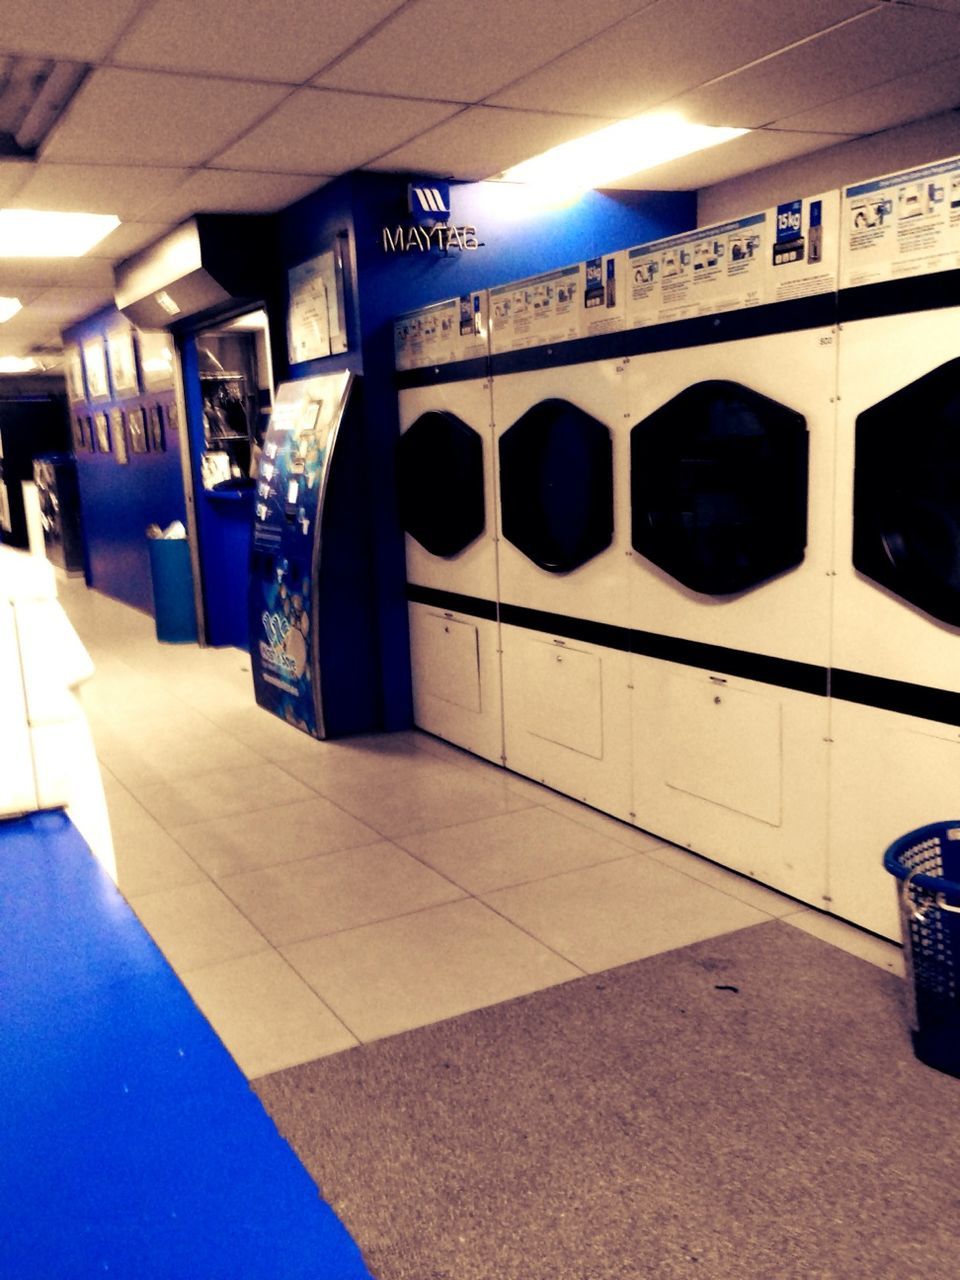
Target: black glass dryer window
x,y
906,494
719,487
556,485
440,481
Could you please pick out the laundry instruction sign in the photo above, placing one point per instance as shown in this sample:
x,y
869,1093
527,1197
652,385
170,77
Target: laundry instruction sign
x,y
429,228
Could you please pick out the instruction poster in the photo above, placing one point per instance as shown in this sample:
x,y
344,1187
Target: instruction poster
x,y
904,224
789,251
455,329
315,323
537,311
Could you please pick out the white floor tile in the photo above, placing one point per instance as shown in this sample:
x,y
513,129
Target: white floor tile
x,y
220,794
265,1014
741,887
419,969
337,891
300,829
197,925
511,848
148,859
887,955
621,911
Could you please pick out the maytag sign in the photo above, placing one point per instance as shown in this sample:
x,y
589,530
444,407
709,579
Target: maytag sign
x,y
429,227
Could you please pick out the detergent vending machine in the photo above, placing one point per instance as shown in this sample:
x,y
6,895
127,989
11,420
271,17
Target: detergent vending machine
x,y
312,631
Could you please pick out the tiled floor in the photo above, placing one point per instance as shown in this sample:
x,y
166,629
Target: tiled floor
x,y
312,895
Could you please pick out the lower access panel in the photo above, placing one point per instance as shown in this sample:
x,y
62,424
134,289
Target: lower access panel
x,y
566,717
734,770
456,679
890,774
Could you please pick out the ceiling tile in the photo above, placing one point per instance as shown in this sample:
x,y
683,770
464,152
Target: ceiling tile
x,y
149,117
485,140
472,53
667,49
60,29
730,160
229,191
61,305
894,102
13,174
284,40
322,132
126,191
129,238
874,48
46,273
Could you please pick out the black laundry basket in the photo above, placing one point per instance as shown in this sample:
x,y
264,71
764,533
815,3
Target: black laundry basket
x,y
926,863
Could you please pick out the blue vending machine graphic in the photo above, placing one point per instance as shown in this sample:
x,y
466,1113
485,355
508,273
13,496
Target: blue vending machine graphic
x,y
312,642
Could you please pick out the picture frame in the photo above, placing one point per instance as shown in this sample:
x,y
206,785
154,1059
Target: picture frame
x,y
119,437
156,359
155,429
95,368
73,370
137,427
172,416
102,424
123,362
79,433
91,434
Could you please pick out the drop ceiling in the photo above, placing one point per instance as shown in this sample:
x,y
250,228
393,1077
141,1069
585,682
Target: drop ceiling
x,y
246,105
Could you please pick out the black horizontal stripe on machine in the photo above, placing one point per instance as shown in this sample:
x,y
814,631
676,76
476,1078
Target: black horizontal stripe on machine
x,y
898,297
923,701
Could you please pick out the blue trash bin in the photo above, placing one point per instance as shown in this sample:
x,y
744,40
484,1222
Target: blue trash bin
x,y
175,613
926,863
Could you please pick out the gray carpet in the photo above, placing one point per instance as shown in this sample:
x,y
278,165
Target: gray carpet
x,y
746,1107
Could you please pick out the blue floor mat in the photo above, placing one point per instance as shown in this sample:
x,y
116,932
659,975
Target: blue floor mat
x,y
132,1145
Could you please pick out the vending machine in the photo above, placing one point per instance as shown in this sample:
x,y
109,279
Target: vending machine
x,y
58,491
312,628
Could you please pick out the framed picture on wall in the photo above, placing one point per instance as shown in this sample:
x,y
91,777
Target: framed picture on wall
x,y
138,431
78,431
118,435
155,428
156,359
90,431
102,424
73,369
95,367
123,362
172,415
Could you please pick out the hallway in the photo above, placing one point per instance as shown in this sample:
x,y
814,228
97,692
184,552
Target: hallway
x,y
312,896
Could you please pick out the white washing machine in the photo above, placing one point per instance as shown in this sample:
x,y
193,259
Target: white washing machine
x,y
564,540
730,485
896,643
446,479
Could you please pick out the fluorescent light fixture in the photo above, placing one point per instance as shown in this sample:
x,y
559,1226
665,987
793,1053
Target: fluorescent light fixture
x,y
18,364
629,146
9,307
35,233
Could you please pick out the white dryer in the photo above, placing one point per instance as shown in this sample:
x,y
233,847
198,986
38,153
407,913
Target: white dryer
x,y
730,486
446,490
563,543
896,643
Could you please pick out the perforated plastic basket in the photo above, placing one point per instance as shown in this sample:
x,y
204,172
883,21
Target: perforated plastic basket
x,y
926,863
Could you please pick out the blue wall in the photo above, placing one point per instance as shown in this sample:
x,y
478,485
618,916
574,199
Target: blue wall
x,y
119,500
380,285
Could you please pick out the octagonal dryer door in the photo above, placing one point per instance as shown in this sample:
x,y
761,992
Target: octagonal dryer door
x,y
906,496
718,479
556,485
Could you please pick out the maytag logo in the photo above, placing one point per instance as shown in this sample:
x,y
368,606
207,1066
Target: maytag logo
x,y
429,227
429,205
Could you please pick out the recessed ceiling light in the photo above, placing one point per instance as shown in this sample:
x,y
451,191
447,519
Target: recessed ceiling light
x,y
35,233
629,146
9,307
18,364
